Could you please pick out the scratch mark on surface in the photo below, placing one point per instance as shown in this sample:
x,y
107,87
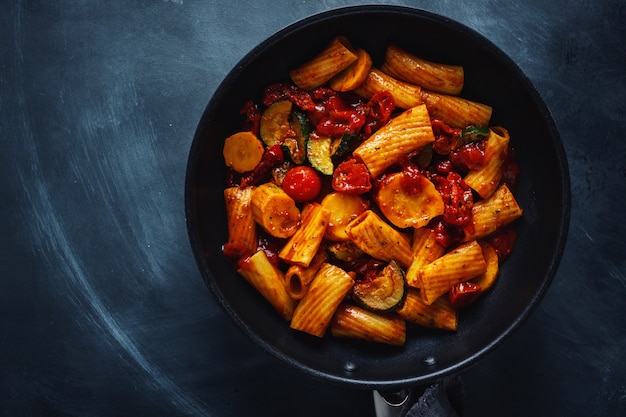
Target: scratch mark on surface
x,y
50,237
588,235
615,271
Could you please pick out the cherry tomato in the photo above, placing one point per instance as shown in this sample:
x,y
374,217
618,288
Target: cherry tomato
x,y
302,183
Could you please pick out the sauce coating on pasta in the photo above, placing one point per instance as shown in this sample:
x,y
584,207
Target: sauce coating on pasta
x,y
427,187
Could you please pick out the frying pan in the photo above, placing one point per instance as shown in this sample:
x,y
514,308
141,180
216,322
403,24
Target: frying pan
x,y
543,192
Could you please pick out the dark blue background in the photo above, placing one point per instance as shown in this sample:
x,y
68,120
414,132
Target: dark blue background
x,y
102,309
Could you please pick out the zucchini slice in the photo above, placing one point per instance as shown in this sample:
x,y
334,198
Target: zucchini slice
x,y
318,150
342,146
296,146
382,292
275,125
344,251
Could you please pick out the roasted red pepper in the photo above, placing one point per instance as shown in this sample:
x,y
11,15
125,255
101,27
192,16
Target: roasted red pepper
x,y
445,234
339,118
446,138
272,157
457,197
377,111
503,241
351,177
253,117
286,91
411,179
463,294
364,267
469,156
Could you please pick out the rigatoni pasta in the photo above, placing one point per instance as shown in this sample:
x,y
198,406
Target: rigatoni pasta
x,y
408,132
336,57
425,250
434,76
485,179
376,197
456,111
301,248
489,215
405,95
461,264
298,277
314,312
274,210
354,322
378,239
259,271
437,315
242,232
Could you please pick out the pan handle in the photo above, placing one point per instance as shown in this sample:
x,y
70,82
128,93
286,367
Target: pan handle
x,y
445,398
393,403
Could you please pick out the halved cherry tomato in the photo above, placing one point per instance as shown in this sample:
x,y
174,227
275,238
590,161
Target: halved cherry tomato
x,y
351,177
302,183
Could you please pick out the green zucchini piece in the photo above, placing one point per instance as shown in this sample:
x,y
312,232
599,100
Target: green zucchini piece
x,y
383,292
318,154
275,125
291,147
344,251
425,156
342,146
297,145
474,133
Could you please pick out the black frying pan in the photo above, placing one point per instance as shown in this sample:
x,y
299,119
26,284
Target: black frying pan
x,y
543,193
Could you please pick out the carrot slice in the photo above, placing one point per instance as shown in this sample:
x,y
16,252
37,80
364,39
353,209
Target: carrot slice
x,y
242,151
274,210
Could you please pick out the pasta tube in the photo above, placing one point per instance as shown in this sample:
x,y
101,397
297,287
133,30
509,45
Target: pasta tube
x,y
425,250
304,243
242,236
441,78
404,95
458,265
378,239
438,315
407,132
298,277
336,57
486,179
456,111
315,310
357,323
353,76
274,210
493,213
269,281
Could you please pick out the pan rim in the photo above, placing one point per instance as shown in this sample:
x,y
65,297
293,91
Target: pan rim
x,y
350,378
